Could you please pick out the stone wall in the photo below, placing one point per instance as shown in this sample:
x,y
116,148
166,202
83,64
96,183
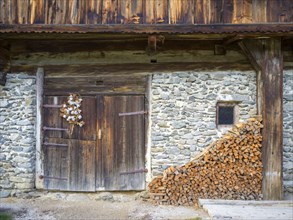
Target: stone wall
x,y
17,134
184,111
288,134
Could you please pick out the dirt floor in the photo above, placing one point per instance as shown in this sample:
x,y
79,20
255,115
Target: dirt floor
x,y
93,206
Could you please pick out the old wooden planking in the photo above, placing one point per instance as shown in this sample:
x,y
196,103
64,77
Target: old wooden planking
x,y
108,142
201,11
100,159
162,12
97,91
135,129
81,165
181,11
95,81
279,11
123,139
217,12
56,165
130,12
52,116
110,12
120,57
242,11
95,12
37,11
259,16
149,12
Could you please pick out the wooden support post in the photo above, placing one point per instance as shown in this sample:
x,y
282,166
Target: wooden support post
x,y
267,59
39,130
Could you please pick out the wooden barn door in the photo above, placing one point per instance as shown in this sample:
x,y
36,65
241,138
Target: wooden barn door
x,y
107,153
121,145
69,158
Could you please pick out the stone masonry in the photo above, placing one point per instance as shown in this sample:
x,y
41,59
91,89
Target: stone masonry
x,y
17,134
184,111
288,134
183,117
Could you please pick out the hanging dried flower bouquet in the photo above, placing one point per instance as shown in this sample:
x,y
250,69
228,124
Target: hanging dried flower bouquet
x,y
71,111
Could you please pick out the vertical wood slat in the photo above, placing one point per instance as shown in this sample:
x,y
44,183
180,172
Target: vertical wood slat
x,y
50,13
149,12
242,12
161,8
280,11
181,11
61,12
202,11
37,11
259,16
216,11
94,13
100,159
39,124
81,165
56,165
110,12
130,12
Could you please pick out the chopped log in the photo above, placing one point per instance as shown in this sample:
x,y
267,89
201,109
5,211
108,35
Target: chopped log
x,y
229,168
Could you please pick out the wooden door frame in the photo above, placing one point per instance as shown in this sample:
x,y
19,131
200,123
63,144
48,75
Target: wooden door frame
x,y
39,181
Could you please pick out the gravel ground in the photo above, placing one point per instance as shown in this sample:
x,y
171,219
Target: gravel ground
x,y
93,206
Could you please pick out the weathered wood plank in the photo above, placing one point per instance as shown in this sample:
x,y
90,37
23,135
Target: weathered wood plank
x,y
162,16
120,57
259,16
37,11
81,165
110,12
123,143
273,120
149,12
95,12
39,131
130,12
268,29
242,12
52,116
181,11
61,12
144,11
267,58
56,165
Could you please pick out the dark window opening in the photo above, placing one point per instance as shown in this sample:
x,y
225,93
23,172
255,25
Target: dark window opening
x,y
225,115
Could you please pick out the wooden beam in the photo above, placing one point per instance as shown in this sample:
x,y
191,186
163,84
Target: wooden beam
x,y
268,28
132,69
267,59
39,131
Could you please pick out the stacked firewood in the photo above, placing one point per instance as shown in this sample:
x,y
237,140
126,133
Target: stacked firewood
x,y
229,168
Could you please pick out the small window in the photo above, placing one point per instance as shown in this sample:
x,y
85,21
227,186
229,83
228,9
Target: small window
x,y
227,114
